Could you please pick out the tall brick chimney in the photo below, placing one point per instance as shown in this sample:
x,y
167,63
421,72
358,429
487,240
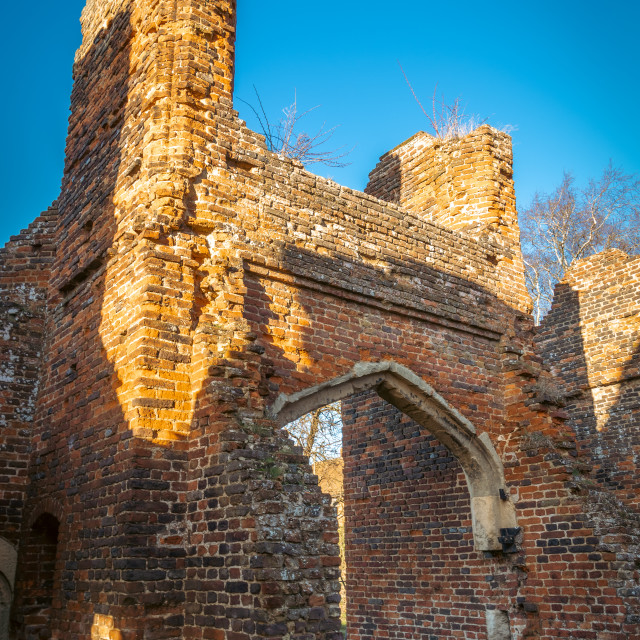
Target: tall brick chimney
x,y
463,184
153,80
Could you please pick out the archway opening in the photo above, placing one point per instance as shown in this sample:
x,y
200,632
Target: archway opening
x,y
36,575
423,498
319,435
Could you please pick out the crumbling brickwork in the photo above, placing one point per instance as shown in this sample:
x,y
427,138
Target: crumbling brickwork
x,y
464,185
24,277
204,289
591,341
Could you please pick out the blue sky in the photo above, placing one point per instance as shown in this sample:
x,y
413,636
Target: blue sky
x,y
564,73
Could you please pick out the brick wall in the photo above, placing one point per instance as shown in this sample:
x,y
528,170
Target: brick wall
x,y
24,273
412,570
590,340
411,567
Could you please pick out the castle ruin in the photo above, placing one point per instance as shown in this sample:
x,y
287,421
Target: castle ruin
x,y
190,293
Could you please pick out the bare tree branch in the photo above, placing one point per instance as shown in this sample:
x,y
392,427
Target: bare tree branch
x,y
571,224
447,120
319,433
286,138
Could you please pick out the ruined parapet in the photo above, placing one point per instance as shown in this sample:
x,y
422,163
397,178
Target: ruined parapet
x,y
464,184
201,26
591,340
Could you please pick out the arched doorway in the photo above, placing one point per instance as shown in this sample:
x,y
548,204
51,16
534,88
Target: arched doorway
x,y
490,505
417,548
36,572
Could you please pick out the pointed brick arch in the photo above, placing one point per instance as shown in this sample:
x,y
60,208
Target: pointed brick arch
x,y
410,394
8,561
37,588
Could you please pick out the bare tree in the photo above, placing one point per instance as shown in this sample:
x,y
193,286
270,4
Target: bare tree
x,y
319,433
447,119
285,137
572,223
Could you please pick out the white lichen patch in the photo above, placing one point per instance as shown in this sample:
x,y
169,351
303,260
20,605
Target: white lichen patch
x,y
8,368
5,331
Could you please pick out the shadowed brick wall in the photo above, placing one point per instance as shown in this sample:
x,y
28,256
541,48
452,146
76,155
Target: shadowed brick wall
x,y
591,341
37,571
412,570
25,263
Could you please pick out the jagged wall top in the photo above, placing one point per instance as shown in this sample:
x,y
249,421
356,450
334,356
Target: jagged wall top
x,y
215,19
464,184
97,15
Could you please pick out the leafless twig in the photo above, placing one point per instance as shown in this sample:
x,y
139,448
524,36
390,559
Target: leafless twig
x,y
319,433
447,120
287,139
571,224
